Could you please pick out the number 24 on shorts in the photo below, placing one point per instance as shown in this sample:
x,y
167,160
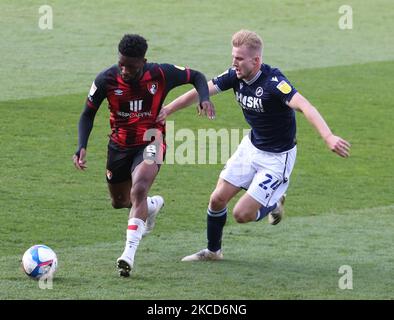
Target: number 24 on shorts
x,y
274,185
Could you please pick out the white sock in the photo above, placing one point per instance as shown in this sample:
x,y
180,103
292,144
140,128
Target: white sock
x,y
151,205
135,230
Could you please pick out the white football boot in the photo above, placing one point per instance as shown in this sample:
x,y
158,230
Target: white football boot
x,y
124,265
151,219
276,215
205,255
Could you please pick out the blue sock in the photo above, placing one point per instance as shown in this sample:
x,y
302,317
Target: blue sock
x,y
263,211
215,223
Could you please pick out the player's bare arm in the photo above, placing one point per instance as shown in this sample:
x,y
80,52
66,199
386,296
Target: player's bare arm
x,y
187,99
334,143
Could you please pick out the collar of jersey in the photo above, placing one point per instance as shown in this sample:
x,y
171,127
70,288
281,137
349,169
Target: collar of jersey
x,y
258,74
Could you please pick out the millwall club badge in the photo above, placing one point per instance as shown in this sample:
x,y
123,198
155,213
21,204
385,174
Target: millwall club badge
x,y
259,92
152,87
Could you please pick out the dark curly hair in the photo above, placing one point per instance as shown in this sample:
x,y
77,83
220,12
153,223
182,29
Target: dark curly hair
x,y
133,45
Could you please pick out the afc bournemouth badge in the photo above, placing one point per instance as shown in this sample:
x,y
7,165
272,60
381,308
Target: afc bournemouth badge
x,y
152,87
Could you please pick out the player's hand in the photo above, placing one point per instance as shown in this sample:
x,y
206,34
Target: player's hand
x,y
80,161
206,108
162,116
338,145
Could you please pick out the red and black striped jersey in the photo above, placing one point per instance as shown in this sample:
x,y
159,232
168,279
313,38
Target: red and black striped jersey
x,y
134,106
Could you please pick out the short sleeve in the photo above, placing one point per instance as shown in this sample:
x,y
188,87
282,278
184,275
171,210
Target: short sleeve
x,y
97,92
282,88
175,75
225,81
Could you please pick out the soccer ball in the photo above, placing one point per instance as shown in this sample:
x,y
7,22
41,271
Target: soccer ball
x,y
39,262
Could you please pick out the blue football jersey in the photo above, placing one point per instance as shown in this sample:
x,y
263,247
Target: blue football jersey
x,y
263,102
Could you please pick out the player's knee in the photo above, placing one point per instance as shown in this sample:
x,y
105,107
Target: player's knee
x,y
120,204
217,201
138,191
240,216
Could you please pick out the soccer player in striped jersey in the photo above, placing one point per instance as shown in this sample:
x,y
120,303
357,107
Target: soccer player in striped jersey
x,y
135,91
264,160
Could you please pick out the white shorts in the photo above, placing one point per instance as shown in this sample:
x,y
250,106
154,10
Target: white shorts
x,y
265,175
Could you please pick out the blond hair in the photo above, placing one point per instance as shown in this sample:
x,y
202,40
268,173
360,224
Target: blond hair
x,y
249,39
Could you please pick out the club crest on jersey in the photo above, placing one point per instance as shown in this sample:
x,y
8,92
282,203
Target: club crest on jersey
x,y
284,87
153,87
259,92
118,92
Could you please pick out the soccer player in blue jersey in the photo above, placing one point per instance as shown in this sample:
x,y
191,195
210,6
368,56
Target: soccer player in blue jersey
x,y
264,160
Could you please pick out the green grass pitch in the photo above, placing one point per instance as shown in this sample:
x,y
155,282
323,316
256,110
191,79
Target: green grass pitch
x,y
338,211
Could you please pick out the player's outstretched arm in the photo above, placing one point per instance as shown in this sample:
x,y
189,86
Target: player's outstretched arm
x,y
187,99
334,143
